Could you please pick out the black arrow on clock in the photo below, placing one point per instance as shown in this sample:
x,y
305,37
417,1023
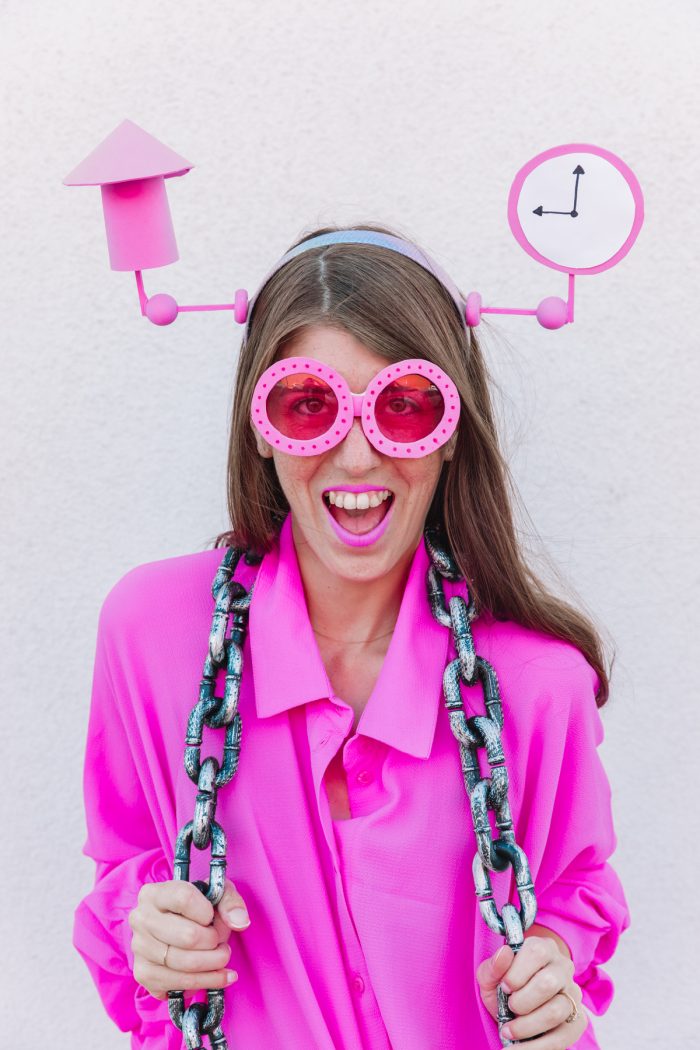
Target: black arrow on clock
x,y
578,172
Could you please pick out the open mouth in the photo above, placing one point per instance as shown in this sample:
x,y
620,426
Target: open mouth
x,y
359,518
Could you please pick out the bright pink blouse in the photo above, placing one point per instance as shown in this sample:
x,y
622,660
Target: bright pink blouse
x,y
365,933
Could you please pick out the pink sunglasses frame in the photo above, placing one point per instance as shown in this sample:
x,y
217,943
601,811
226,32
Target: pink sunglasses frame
x,y
351,405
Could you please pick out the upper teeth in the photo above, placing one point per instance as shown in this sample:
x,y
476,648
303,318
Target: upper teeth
x,y
357,500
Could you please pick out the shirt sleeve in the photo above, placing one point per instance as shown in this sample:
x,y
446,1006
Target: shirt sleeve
x,y
123,842
570,834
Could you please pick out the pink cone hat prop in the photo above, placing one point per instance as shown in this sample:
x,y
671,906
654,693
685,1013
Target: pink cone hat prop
x,y
130,167
575,208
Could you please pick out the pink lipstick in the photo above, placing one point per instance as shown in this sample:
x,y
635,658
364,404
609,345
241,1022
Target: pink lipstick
x,y
349,536
363,539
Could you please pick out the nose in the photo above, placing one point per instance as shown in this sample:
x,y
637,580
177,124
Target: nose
x,y
355,454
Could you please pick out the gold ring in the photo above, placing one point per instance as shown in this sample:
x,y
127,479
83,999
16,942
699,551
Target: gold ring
x,y
164,963
574,1013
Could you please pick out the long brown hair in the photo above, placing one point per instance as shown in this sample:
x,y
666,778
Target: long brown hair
x,y
399,310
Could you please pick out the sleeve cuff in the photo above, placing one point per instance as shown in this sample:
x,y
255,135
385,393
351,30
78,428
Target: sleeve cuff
x,y
591,937
102,935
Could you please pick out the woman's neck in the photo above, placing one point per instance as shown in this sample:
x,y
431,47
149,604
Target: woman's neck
x,y
347,611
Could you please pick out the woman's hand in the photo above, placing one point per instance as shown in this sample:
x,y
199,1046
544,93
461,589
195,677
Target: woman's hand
x,y
535,976
180,941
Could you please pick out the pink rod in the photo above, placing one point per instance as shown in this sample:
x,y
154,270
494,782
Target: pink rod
x,y
570,299
143,298
498,310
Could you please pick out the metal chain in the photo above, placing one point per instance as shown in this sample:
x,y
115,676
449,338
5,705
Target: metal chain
x,y
479,731
231,601
485,793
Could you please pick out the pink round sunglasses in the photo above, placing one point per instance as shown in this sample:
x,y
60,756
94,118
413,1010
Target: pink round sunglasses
x,y
304,408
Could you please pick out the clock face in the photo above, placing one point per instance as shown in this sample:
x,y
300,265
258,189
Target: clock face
x,y
576,208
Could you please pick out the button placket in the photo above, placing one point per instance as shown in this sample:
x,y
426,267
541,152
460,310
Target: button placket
x,y
340,720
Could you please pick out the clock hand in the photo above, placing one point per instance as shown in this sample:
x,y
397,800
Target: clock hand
x,y
578,172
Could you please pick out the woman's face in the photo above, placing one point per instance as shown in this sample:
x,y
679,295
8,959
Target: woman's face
x,y
334,536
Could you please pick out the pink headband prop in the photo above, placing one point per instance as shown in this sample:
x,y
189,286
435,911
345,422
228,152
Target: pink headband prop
x,y
381,240
576,208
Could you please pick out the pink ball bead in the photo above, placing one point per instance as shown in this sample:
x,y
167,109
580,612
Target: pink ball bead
x,y
473,309
161,309
240,306
552,312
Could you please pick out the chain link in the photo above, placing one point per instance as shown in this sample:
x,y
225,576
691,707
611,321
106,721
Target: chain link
x,y
232,601
485,793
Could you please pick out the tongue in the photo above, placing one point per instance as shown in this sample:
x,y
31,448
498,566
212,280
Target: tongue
x,y
360,521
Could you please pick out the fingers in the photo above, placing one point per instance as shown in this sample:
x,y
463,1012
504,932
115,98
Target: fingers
x,y
223,930
550,1024
538,972
176,914
159,980
153,951
180,897
534,983
232,908
491,970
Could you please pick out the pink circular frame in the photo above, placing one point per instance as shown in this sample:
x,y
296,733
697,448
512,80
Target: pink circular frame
x,y
558,151
351,405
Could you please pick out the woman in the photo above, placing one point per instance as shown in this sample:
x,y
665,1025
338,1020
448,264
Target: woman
x,y
349,833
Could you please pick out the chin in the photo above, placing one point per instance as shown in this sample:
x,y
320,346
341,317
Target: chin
x,y
345,560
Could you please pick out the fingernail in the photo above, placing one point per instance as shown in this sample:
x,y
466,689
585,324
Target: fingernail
x,y
238,917
506,987
499,953
231,976
507,1032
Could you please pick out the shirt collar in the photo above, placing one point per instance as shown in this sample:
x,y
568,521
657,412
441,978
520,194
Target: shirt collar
x,y
288,669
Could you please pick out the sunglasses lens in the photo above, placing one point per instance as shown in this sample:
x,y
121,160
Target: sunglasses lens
x,y
409,409
302,406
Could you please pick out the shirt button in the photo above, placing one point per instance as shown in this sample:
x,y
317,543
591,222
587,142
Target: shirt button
x,y
358,984
364,777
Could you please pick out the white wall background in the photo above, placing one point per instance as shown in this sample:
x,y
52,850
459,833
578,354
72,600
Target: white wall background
x,y
113,435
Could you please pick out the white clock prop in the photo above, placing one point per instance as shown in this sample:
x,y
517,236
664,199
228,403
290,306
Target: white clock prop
x,y
575,208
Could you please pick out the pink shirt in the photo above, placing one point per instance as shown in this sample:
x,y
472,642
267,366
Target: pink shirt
x,y
365,933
